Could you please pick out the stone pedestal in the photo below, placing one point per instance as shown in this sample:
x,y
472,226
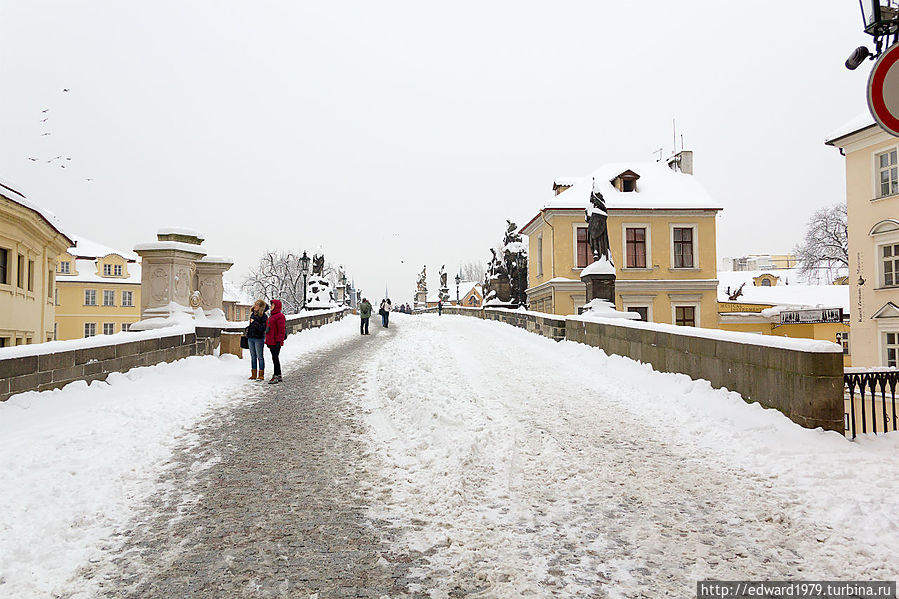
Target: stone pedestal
x,y
168,267
209,283
421,299
601,286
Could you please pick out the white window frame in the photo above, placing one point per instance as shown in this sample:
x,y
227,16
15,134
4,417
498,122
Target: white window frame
x,y
574,228
639,301
130,296
882,333
93,296
111,294
107,270
64,267
540,255
671,228
126,326
697,311
843,340
117,270
875,160
109,326
880,241
648,229
93,329
55,331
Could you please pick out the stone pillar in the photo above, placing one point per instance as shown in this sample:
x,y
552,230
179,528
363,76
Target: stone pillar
x,y
601,286
209,283
168,267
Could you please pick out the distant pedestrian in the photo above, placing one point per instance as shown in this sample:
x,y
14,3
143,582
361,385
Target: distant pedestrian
x,y
439,307
385,312
364,315
256,340
274,338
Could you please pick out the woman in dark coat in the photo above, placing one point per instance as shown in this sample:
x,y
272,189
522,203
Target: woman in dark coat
x,y
274,338
256,339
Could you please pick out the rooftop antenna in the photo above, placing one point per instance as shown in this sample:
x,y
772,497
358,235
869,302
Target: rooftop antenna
x,y
674,136
660,151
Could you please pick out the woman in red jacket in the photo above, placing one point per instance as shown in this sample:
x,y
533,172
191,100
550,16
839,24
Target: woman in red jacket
x,y
274,338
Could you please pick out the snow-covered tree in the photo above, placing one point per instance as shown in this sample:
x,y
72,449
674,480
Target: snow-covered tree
x,y
472,271
515,258
278,275
825,248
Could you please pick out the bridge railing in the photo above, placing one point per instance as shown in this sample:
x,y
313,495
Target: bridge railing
x,y
870,400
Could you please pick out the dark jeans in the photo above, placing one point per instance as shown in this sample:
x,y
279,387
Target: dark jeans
x,y
276,360
363,326
384,318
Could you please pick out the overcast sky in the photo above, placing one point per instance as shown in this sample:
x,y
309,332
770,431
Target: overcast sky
x,y
397,134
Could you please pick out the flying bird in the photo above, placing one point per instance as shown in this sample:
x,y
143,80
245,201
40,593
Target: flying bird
x,y
44,120
32,159
65,89
45,110
88,179
43,134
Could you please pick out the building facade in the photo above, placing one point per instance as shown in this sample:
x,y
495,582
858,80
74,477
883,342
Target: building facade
x,y
661,227
98,291
30,240
872,199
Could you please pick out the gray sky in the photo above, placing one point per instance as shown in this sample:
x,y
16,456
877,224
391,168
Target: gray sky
x,y
395,134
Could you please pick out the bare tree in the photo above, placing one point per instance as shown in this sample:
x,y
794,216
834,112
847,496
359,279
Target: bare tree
x,y
473,271
278,276
825,248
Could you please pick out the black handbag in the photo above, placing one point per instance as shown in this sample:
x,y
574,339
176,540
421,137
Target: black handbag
x,y
244,342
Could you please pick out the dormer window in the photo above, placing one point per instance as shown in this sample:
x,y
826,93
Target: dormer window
x,y
117,270
626,181
107,270
64,268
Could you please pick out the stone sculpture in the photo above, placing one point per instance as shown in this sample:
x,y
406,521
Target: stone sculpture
x,y
597,229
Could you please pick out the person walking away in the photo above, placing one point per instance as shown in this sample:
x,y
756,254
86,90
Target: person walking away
x,y
439,307
386,315
274,338
364,315
381,313
256,340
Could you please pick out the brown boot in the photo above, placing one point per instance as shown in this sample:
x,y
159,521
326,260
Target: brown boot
x,y
261,375
252,374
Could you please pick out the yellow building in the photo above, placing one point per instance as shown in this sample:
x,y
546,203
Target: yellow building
x,y
872,199
30,240
98,291
783,306
662,233
236,303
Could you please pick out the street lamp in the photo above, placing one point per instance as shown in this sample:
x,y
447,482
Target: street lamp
x,y
458,281
304,267
880,19
342,282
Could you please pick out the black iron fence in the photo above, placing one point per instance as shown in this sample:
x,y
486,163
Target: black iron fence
x,y
870,401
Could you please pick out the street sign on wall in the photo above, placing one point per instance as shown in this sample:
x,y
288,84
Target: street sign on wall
x,y
883,90
814,316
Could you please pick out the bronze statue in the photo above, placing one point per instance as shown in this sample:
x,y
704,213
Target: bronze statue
x,y
597,229
318,265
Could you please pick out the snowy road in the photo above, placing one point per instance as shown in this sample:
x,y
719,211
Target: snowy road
x,y
444,457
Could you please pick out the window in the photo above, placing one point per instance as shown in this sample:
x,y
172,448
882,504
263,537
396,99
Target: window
x,y
127,299
108,297
685,316
55,331
20,274
628,184
31,275
90,329
4,266
64,268
90,297
766,282
683,247
117,270
643,311
50,288
843,339
584,257
539,255
889,181
126,326
890,258
108,328
107,270
892,347
635,246
4,341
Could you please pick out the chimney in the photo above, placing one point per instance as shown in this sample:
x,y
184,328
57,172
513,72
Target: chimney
x,y
682,162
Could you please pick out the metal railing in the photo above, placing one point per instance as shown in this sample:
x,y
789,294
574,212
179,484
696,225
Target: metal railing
x,y
870,399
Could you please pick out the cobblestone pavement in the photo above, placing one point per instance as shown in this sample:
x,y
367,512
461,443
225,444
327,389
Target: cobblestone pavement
x,y
270,501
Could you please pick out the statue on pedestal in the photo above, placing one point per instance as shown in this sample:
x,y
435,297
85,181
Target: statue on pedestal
x,y
597,229
318,265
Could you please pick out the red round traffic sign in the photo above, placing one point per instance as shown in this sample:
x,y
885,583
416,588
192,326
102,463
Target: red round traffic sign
x,y
883,90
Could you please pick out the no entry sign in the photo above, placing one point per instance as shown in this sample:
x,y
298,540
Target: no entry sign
x,y
883,90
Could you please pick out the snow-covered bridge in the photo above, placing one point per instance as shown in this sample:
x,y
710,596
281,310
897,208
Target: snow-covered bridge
x,y
445,456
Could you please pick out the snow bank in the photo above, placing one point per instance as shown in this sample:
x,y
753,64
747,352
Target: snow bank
x,y
76,462
52,347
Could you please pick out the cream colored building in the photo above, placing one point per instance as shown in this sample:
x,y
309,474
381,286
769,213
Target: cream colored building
x,y
98,290
662,233
872,198
30,240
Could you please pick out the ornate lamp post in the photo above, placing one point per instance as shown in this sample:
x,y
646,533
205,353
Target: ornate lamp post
x,y
342,283
458,281
880,19
304,267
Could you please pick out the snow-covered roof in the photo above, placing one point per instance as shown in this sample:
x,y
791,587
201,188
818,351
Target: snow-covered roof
x,y
232,292
86,249
9,191
465,288
795,293
566,181
87,273
857,123
659,187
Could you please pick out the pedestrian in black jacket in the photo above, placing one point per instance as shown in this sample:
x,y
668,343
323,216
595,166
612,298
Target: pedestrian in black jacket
x,y
256,339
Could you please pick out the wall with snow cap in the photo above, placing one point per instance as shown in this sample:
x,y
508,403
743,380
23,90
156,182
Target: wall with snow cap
x,y
801,378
